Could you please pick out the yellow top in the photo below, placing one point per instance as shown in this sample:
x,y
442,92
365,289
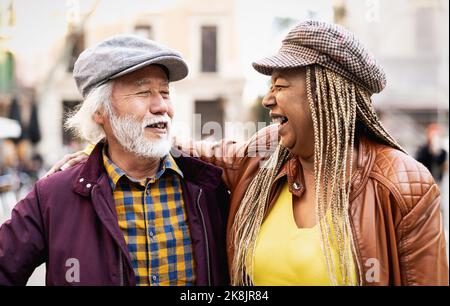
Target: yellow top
x,y
286,255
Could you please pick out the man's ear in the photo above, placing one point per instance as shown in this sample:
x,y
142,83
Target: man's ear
x,y
98,117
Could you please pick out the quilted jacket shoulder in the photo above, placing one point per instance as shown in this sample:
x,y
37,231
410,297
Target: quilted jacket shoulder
x,y
408,179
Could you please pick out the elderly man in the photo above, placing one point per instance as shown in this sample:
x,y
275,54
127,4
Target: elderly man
x,y
134,213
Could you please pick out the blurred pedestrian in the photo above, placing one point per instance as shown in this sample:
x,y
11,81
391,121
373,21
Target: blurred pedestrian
x,y
431,154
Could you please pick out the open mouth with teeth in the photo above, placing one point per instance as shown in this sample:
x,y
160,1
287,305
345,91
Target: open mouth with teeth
x,y
281,120
158,126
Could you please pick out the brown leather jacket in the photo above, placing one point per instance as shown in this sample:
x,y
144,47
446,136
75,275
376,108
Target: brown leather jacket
x,y
394,206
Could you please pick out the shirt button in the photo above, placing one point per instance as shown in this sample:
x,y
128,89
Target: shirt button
x,y
151,233
88,185
81,180
154,278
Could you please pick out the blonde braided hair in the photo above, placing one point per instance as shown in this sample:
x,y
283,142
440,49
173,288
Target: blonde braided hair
x,y
337,107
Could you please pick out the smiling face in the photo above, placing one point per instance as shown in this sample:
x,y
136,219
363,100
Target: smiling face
x,y
141,112
289,107
144,94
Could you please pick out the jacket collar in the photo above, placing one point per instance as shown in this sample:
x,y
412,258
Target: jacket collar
x,y
197,171
292,169
90,172
115,173
194,170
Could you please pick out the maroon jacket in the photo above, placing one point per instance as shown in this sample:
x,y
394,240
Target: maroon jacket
x,y
71,214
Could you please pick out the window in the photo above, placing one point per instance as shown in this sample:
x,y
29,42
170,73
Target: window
x,y
209,49
211,112
145,31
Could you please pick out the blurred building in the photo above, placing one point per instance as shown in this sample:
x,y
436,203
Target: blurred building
x,y
40,40
204,34
218,38
410,40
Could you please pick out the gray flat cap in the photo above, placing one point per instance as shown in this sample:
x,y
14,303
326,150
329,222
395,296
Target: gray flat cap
x,y
122,54
329,45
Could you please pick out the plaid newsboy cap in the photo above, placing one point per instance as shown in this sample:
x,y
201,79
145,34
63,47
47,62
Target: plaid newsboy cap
x,y
328,45
120,55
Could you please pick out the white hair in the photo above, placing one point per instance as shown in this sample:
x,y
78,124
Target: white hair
x,y
82,122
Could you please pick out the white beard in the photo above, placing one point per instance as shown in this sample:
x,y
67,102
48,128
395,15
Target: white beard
x,y
130,134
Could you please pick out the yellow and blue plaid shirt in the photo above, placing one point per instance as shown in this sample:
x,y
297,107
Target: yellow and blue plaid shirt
x,y
152,218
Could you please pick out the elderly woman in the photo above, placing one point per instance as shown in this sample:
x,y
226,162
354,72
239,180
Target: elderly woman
x,y
338,202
